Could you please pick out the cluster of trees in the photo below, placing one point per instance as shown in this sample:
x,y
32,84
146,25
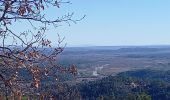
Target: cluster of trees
x,y
140,96
132,85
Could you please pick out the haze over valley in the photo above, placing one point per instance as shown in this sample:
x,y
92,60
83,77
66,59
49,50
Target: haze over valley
x,y
98,62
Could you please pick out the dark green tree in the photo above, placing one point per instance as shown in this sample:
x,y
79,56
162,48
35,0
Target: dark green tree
x,y
143,96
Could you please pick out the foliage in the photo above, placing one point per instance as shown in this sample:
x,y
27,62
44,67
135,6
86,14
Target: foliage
x,y
28,61
129,85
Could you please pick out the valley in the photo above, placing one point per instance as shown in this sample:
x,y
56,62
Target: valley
x,y
98,62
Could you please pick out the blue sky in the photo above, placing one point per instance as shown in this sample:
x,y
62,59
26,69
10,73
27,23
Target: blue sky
x,y
116,22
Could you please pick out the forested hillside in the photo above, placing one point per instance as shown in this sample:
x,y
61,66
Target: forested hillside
x,y
131,85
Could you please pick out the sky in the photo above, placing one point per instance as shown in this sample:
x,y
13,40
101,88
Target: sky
x,y
119,22
115,23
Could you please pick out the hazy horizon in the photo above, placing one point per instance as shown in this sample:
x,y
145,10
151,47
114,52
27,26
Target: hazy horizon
x,y
154,45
